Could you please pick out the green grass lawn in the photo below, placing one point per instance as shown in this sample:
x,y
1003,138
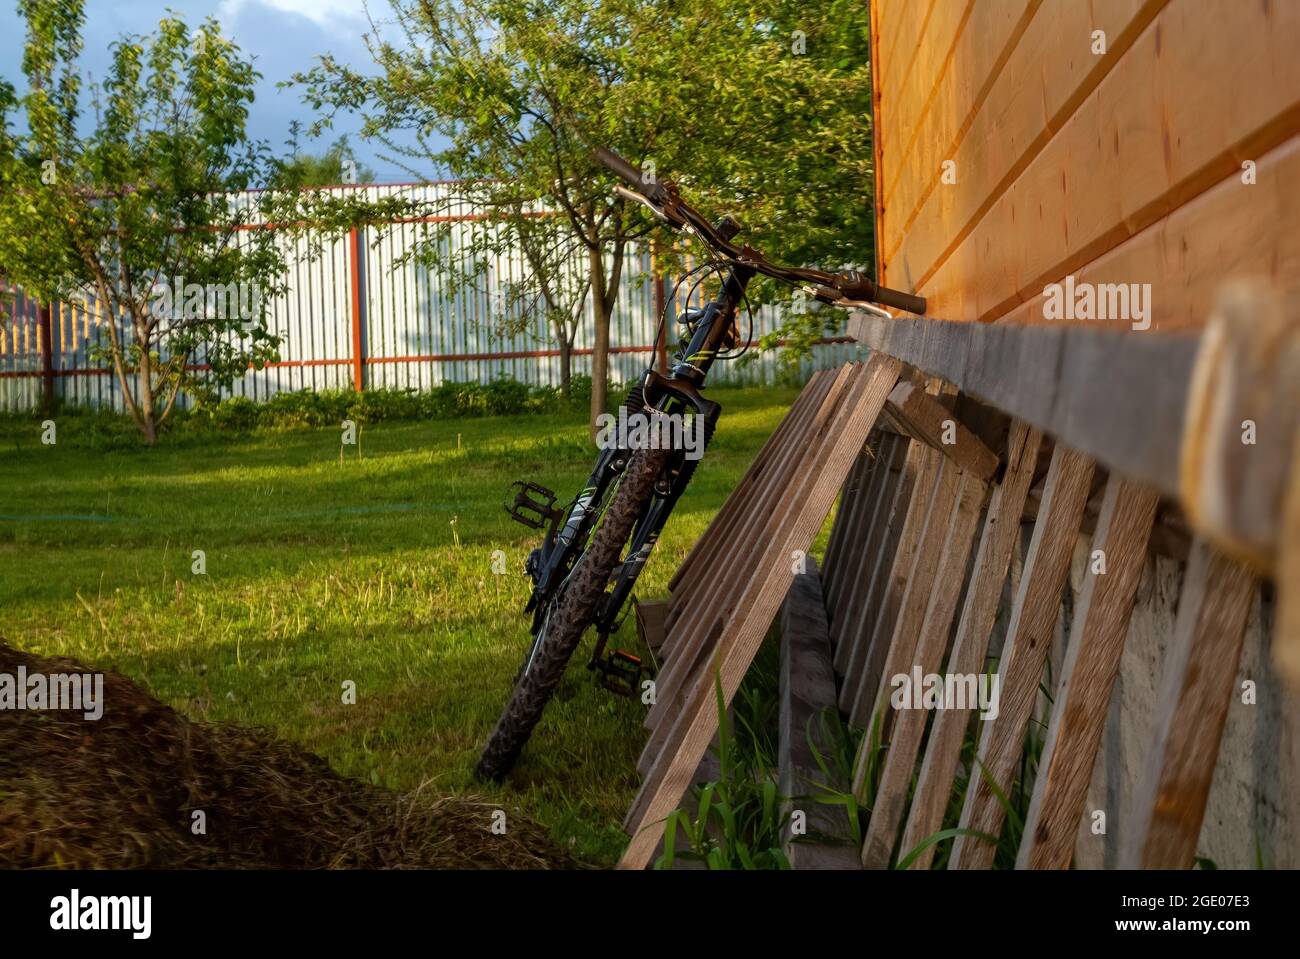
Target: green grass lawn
x,y
374,566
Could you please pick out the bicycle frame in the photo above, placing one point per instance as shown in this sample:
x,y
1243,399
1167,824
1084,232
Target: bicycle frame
x,y
594,550
676,393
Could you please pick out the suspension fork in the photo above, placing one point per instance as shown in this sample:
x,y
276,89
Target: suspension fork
x,y
675,393
646,534
571,537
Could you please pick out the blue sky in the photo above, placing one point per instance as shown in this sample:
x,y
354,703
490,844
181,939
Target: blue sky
x,y
282,36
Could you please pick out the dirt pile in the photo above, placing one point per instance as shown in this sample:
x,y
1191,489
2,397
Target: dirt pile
x,y
120,792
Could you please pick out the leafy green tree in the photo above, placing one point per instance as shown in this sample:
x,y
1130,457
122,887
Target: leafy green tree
x,y
755,106
337,165
130,208
507,85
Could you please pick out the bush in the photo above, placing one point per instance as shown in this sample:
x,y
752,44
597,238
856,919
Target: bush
x,y
236,413
504,396
305,409
378,406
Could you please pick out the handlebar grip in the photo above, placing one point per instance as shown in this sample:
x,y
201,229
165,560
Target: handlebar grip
x,y
854,286
620,166
900,301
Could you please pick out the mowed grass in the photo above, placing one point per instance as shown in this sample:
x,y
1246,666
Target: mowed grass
x,y
373,567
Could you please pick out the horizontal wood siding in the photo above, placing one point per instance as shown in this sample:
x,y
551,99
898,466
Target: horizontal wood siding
x,y
1106,140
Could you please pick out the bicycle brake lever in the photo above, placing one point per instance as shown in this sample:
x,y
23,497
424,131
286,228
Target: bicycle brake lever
x,y
646,202
828,295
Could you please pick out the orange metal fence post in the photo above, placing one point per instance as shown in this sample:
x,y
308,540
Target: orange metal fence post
x,y
358,335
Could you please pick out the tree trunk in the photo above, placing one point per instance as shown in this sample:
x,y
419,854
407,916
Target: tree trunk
x,y
566,368
600,343
661,310
599,367
147,416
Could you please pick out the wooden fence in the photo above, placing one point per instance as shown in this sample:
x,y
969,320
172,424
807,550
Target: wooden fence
x,y
1123,603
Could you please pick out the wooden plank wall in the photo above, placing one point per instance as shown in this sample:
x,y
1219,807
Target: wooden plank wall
x,y
1019,143
1118,141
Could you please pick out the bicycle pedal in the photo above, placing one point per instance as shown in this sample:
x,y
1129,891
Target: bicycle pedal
x,y
534,505
619,672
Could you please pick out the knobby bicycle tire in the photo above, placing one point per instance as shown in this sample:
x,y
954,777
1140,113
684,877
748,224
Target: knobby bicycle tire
x,y
570,616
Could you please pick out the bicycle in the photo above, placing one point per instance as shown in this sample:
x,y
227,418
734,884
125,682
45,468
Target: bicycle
x,y
594,549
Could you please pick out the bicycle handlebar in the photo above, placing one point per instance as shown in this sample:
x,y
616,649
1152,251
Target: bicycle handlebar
x,y
662,197
620,166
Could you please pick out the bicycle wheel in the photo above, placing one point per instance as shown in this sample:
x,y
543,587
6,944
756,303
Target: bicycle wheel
x,y
569,616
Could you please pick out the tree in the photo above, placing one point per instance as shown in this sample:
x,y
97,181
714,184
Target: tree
x,y
756,105
555,285
336,165
135,215
500,81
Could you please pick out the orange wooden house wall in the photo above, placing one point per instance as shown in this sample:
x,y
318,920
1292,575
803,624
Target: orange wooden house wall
x,y
1125,166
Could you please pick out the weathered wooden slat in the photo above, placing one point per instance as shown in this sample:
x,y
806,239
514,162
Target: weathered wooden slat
x,y
705,626
912,508
807,693
919,582
1092,658
851,634
928,419
983,595
858,523
1119,398
695,637
1033,616
751,610
861,558
690,646
650,616
1200,672
703,629
739,526
839,529
909,725
706,546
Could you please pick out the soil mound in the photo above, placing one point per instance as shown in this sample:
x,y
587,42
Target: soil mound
x,y
120,792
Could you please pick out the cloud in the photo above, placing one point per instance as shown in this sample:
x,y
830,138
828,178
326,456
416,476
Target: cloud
x,y
330,15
